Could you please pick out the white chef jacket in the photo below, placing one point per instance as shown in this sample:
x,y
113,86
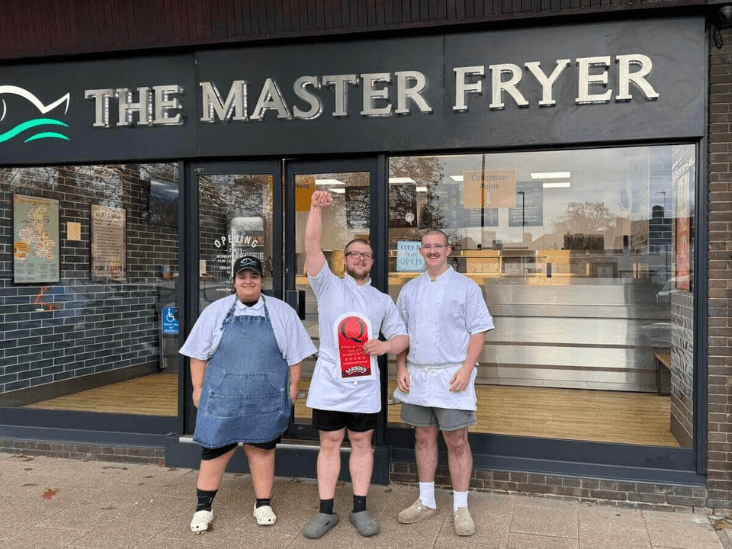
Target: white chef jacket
x,y
292,338
441,315
337,296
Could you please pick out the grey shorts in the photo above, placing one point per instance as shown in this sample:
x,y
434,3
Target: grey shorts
x,y
445,418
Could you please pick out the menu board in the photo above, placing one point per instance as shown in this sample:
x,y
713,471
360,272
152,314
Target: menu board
x,y
35,239
109,242
358,208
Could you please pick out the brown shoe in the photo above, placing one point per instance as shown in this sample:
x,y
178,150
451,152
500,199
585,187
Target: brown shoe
x,y
464,525
416,512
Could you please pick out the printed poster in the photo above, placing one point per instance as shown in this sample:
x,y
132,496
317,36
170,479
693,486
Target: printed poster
x,y
408,257
683,233
109,242
351,331
35,240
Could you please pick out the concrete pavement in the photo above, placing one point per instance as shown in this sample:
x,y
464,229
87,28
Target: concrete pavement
x,y
49,503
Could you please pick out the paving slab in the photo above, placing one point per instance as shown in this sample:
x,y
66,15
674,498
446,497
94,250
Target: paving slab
x,y
108,505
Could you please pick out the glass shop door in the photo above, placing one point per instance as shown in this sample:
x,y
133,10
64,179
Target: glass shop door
x,y
349,217
238,212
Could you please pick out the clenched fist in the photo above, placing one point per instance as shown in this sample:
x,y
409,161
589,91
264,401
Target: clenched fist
x,y
321,199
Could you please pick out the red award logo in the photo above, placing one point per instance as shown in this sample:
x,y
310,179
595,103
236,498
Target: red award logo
x,y
352,331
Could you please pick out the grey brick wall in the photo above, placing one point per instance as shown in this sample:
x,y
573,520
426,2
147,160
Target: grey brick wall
x,y
84,452
720,266
81,326
636,495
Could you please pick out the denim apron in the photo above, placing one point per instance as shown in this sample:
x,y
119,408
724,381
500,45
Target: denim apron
x,y
246,389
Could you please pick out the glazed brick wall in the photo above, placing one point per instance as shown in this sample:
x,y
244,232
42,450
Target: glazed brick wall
x,y
88,325
720,268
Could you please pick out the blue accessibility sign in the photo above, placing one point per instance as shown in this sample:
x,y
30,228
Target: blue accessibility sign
x,y
170,320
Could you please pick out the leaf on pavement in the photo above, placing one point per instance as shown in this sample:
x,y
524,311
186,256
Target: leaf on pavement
x,y
49,493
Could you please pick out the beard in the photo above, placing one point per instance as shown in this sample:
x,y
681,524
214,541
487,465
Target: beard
x,y
357,276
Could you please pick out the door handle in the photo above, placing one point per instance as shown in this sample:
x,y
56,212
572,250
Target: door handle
x,y
296,300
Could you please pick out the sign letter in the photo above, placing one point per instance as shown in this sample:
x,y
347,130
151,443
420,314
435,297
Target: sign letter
x,y
547,83
414,93
236,102
462,87
499,86
586,79
625,77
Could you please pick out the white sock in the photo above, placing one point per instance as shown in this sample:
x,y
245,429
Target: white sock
x,y
460,499
427,494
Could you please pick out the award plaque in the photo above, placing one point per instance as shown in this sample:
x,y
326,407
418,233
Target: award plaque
x,y
352,330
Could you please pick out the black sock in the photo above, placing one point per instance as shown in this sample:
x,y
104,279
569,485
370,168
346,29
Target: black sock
x,y
359,503
205,499
326,506
263,502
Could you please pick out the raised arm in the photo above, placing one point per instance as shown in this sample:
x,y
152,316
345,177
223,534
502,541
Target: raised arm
x,y
314,258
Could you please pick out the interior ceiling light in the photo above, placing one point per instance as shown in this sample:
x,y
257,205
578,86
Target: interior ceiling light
x,y
556,185
328,182
551,175
456,177
337,191
401,180
421,189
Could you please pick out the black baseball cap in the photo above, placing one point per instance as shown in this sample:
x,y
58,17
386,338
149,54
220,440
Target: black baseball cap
x,y
248,262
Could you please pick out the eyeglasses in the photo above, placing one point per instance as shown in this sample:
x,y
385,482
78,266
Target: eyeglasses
x,y
433,246
359,255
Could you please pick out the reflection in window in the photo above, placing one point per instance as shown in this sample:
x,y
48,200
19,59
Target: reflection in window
x,y
235,219
586,262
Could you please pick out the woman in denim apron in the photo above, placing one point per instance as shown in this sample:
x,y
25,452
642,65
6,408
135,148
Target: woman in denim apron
x,y
243,392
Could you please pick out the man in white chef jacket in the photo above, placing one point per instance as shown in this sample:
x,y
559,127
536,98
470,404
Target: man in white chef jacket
x,y
447,320
351,313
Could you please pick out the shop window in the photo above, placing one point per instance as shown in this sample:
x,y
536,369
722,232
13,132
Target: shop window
x,y
585,258
91,275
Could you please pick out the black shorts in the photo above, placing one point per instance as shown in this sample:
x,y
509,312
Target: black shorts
x,y
329,420
212,453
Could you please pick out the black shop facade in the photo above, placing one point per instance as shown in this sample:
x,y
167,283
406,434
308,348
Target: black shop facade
x,y
566,164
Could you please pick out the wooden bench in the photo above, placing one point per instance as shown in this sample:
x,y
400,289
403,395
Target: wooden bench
x,y
662,359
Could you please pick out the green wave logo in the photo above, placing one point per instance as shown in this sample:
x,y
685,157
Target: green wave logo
x,y
20,128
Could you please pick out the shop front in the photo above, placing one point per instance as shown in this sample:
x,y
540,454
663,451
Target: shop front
x,y
565,163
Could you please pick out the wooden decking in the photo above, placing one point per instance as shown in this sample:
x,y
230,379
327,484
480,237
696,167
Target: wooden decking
x,y
570,414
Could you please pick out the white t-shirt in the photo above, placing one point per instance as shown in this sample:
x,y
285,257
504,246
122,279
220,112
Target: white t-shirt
x,y
441,315
337,296
292,338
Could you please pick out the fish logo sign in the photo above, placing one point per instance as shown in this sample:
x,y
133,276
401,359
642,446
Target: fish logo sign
x,y
39,125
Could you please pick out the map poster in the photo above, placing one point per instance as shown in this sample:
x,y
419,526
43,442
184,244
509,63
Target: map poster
x,y
35,240
109,242
352,330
